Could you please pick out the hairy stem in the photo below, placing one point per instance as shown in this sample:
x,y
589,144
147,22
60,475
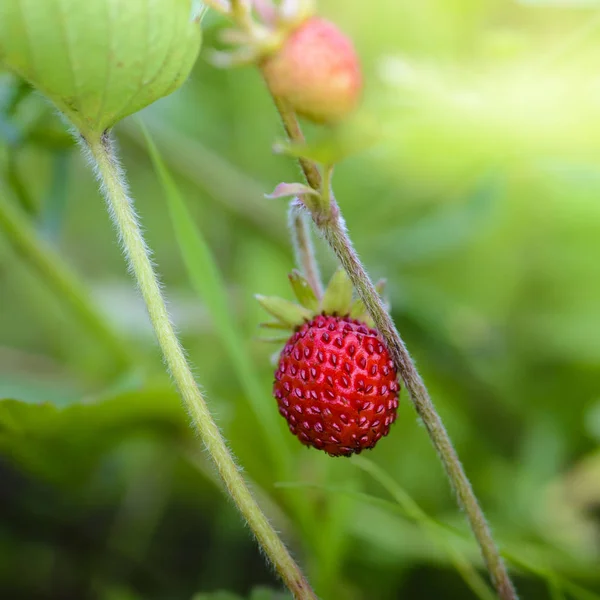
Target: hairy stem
x,y
303,247
294,132
335,233
330,223
120,205
59,278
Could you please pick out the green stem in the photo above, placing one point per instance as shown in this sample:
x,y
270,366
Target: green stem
x,y
50,267
120,205
294,132
303,247
334,231
13,177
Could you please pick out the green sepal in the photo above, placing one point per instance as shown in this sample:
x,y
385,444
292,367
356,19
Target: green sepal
x,y
288,313
338,295
303,291
337,300
275,339
274,325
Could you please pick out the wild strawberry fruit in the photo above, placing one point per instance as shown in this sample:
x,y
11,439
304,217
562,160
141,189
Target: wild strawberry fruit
x,y
335,383
316,71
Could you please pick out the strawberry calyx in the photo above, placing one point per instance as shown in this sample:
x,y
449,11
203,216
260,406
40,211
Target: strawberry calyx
x,y
337,300
260,30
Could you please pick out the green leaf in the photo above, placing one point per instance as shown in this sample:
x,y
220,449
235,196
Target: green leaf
x,y
63,445
209,285
303,291
414,511
338,295
288,313
334,144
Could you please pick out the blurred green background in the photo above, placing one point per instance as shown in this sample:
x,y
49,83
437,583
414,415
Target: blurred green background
x,y
479,201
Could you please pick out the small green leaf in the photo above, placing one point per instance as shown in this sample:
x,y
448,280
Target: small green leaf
x,y
338,295
274,325
335,144
285,311
303,291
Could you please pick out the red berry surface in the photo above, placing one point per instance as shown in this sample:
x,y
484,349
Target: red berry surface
x,y
336,385
317,71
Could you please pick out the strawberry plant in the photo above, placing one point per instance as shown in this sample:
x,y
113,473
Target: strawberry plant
x,y
341,378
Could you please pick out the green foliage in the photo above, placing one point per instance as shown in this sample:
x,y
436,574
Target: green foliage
x,y
479,204
335,144
65,444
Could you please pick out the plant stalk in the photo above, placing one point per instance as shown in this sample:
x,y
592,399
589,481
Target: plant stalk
x,y
120,205
329,222
59,278
303,247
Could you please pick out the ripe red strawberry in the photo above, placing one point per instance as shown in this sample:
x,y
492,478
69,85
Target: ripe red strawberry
x,y
317,71
335,383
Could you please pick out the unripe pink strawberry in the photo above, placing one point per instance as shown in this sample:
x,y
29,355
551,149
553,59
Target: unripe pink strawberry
x,y
317,71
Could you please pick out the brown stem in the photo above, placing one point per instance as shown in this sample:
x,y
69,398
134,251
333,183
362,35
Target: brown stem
x,y
335,233
330,223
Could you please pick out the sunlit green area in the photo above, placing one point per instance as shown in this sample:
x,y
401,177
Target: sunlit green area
x,y
472,184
